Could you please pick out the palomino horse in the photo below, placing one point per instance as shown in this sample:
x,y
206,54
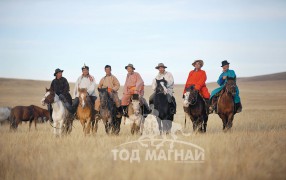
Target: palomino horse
x,y
195,107
26,113
226,104
108,112
85,111
163,107
135,114
62,118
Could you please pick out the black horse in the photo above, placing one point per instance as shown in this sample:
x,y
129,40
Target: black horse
x,y
163,107
195,107
108,112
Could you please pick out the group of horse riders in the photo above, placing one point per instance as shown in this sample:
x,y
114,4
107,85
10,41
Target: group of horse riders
x,y
134,84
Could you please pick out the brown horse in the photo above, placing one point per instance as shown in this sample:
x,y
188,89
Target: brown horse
x,y
195,107
85,111
26,113
226,104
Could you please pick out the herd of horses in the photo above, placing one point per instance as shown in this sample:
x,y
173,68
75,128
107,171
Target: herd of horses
x,y
63,121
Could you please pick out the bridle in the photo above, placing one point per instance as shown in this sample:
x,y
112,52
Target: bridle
x,y
195,99
227,86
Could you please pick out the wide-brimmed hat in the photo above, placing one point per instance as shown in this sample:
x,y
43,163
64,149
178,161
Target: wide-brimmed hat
x,y
160,65
200,61
130,65
85,67
57,71
225,62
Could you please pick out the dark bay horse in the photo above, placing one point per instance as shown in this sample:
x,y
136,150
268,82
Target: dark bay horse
x,y
85,111
195,107
26,113
226,105
108,112
163,107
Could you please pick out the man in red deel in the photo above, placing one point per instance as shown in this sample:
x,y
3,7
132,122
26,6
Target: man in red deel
x,y
198,78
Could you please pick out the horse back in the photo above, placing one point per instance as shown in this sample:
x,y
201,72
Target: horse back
x,y
22,113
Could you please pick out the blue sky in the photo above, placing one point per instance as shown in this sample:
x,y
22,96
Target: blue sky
x,y
36,37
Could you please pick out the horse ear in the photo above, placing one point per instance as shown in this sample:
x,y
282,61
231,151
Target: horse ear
x,y
78,89
47,90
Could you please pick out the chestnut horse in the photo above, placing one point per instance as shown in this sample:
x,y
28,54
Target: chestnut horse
x,y
27,113
226,104
195,107
85,111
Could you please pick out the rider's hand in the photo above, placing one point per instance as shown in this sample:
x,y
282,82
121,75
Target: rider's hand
x,y
224,77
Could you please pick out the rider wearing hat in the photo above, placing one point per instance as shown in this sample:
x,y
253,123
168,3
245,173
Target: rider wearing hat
x,y
85,81
134,84
198,78
221,82
111,82
163,74
61,87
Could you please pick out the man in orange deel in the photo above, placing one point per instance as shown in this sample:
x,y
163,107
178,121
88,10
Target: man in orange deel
x,y
198,78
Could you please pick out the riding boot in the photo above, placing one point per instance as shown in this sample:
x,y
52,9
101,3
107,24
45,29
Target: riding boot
x,y
119,112
75,104
124,109
69,107
213,106
50,109
207,102
238,107
173,105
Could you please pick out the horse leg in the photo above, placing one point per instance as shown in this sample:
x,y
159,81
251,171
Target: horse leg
x,y
61,127
30,124
132,128
35,121
230,120
82,124
206,118
88,126
223,118
55,128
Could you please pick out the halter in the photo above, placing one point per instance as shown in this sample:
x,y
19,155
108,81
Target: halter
x,y
196,100
227,90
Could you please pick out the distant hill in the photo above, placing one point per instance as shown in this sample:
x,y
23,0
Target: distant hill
x,y
269,77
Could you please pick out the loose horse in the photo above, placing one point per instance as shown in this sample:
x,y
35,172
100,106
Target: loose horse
x,y
4,114
195,107
163,107
226,105
62,118
108,112
135,114
26,113
85,111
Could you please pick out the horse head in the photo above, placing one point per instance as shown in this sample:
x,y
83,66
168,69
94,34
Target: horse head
x,y
231,86
103,96
83,97
191,96
136,105
49,97
161,84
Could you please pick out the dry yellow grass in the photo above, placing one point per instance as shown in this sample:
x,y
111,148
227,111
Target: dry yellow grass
x,y
255,149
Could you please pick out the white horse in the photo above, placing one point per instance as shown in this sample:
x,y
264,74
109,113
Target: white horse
x,y
60,113
135,116
4,114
